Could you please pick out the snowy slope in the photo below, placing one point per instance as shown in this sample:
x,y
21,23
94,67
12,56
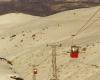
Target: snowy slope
x,y
6,71
26,45
12,21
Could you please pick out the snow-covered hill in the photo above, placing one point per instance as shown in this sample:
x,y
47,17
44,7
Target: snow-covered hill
x,y
23,41
6,71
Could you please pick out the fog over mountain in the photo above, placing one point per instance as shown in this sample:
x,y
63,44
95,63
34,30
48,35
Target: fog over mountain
x,y
44,7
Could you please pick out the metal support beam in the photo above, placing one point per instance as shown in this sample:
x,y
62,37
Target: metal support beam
x,y
54,64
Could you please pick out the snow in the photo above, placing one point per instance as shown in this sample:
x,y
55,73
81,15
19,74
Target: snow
x,y
6,72
28,46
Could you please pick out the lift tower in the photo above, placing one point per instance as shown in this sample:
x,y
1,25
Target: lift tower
x,y
54,64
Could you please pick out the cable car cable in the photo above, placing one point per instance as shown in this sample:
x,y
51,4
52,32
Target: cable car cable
x,y
88,26
84,27
87,21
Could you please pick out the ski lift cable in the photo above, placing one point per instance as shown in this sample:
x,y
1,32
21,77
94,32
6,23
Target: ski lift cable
x,y
87,28
85,25
89,25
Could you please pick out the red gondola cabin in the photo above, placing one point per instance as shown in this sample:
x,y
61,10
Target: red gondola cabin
x,y
74,52
35,71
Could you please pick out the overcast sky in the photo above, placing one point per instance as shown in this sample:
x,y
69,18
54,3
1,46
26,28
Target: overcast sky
x,y
5,0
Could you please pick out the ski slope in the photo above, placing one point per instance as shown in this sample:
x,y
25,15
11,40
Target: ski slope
x,y
6,71
23,41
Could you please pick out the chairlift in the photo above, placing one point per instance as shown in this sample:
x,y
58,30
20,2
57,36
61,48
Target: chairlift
x,y
74,51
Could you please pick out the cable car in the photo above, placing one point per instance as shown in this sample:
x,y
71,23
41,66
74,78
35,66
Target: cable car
x,y
35,71
74,52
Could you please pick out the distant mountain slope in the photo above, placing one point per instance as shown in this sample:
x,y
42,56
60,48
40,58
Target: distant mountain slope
x,y
44,7
26,45
15,20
